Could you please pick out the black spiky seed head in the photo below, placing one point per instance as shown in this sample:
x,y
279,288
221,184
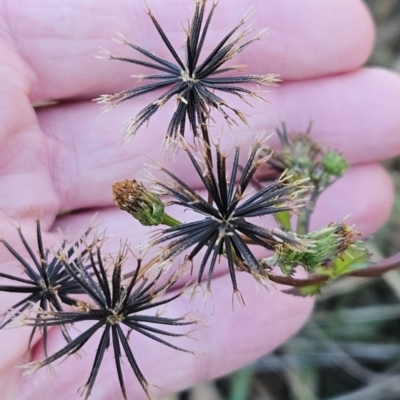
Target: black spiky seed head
x,y
193,82
47,283
224,229
116,307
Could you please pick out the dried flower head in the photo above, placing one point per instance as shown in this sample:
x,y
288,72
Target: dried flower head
x,y
114,307
143,205
133,197
47,284
224,229
192,82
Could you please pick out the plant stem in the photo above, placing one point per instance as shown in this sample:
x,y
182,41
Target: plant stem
x,y
386,265
169,221
206,138
295,282
303,222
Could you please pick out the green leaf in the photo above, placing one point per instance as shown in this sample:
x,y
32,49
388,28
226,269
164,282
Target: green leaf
x,y
311,290
283,219
353,258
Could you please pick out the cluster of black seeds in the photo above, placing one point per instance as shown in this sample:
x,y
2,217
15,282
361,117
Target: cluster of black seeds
x,y
78,274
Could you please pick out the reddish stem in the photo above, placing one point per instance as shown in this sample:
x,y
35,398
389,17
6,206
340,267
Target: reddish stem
x,y
386,265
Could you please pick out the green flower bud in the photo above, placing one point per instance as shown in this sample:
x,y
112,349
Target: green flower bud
x,y
304,152
330,241
334,163
321,247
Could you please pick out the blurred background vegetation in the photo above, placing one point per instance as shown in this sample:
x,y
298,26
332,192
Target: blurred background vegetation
x,y
350,349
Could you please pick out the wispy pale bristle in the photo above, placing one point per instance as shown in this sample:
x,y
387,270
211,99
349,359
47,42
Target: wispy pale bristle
x,y
120,39
31,367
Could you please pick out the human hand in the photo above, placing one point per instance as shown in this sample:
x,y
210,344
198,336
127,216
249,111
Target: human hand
x,y
66,157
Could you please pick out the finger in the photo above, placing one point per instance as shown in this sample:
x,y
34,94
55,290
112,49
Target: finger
x,y
229,340
362,191
353,113
24,172
58,44
354,200
363,198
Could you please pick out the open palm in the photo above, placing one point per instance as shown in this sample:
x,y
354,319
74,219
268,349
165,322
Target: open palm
x,y
66,158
